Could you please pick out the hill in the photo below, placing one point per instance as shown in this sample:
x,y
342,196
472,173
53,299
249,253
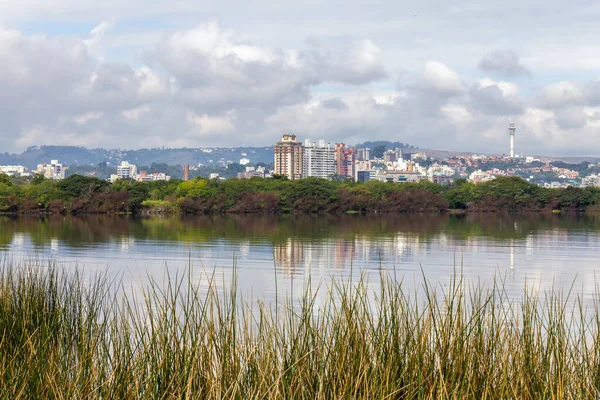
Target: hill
x,y
73,156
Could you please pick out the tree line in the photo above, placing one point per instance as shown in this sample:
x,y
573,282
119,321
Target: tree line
x,y
81,194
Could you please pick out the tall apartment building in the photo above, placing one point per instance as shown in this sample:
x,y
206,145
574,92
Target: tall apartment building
x,y
289,157
319,160
344,160
390,156
126,171
363,154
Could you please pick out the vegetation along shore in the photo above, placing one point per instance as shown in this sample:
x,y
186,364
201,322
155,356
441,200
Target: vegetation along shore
x,y
78,195
68,336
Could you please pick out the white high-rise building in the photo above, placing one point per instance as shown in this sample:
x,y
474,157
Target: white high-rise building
x,y
319,160
126,171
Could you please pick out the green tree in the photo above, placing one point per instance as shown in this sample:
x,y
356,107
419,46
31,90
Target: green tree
x,y
5,179
79,186
378,151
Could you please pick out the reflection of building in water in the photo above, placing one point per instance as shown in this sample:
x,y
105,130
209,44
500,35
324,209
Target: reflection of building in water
x,y
244,247
125,243
363,251
344,252
512,254
18,239
289,254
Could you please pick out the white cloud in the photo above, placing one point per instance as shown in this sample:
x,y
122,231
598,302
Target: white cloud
x,y
136,113
508,88
442,79
214,86
210,125
84,118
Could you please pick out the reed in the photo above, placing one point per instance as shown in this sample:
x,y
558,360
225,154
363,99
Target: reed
x,y
66,337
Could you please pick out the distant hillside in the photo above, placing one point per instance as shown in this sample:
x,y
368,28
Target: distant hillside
x,y
72,155
371,144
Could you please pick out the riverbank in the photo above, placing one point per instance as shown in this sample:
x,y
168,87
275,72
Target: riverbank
x,y
87,195
64,336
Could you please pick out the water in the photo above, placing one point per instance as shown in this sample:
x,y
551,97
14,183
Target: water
x,y
277,254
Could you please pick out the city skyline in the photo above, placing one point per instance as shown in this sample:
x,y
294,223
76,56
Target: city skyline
x,y
447,76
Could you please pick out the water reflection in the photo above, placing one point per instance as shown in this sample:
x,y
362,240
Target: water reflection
x,y
543,248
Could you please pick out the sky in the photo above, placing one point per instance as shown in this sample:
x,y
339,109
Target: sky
x,y
443,75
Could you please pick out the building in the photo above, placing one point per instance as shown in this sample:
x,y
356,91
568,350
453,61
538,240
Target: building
x,y
590,180
366,175
345,161
126,171
289,157
363,154
390,156
399,155
480,176
54,170
400,176
319,160
186,172
157,176
439,172
14,170
252,172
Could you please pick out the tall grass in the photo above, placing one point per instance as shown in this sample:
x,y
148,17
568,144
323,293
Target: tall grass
x,y
66,338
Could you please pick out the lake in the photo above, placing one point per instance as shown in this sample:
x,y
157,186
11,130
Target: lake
x,y
277,254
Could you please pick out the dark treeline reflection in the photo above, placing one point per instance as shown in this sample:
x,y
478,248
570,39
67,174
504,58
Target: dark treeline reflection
x,y
84,230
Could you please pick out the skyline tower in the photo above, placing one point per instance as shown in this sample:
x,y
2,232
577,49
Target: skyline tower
x,y
511,131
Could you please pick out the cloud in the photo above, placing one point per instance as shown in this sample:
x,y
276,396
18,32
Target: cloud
x,y
213,86
495,98
570,118
335,103
503,62
441,79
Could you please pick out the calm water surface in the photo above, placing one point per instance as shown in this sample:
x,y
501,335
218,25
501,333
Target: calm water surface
x,y
283,251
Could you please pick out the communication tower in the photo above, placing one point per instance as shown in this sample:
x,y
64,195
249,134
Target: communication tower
x,y
511,131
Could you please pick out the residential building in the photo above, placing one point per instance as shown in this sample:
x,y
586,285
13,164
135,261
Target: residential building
x,y
399,155
289,157
319,160
157,176
480,176
590,180
437,172
345,160
126,171
14,170
363,154
390,156
400,176
252,172
54,170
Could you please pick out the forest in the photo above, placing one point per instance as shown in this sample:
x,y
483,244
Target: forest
x,y
79,194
